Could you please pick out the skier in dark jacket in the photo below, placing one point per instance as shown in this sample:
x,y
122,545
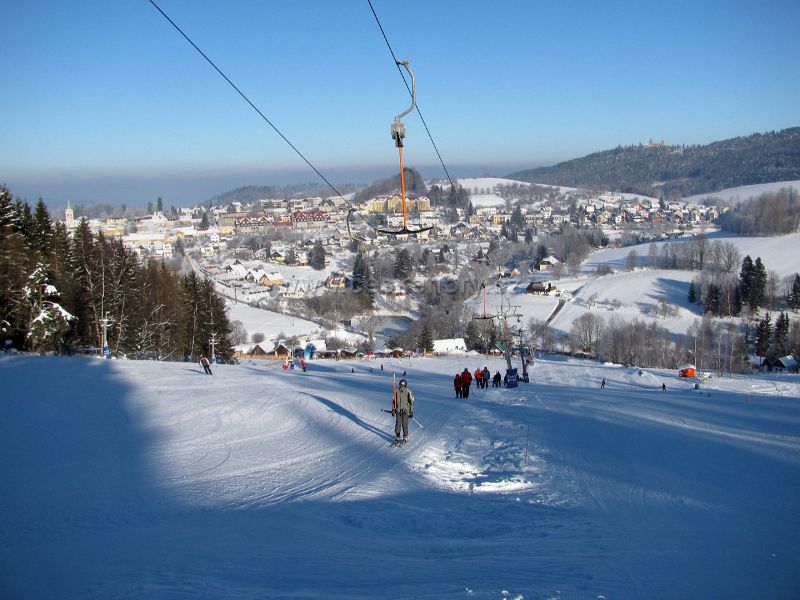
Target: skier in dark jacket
x,y
497,379
487,375
205,364
457,385
403,410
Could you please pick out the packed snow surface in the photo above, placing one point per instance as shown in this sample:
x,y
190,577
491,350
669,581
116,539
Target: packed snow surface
x,y
126,479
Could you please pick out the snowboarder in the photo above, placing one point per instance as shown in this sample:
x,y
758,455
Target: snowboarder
x,y
497,379
478,378
603,384
663,387
487,375
403,410
457,385
466,380
205,364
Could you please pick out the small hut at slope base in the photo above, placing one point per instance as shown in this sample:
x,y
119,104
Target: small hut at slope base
x,y
686,371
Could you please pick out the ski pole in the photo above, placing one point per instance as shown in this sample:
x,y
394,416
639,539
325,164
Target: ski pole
x,y
417,422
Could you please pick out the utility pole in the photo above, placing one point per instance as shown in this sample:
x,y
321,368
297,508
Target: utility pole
x,y
105,321
212,341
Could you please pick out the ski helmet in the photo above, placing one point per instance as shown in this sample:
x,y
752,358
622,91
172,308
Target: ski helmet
x,y
403,383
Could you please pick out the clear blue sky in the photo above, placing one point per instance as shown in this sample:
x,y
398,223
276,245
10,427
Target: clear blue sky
x,y
107,91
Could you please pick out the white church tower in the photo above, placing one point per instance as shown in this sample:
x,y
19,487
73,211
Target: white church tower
x,y
69,216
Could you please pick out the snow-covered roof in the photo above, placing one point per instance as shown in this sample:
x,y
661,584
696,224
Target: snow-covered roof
x,y
449,345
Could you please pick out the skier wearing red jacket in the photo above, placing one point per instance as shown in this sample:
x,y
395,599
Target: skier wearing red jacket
x,y
457,385
466,380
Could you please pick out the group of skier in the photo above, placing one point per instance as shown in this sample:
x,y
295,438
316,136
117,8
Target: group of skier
x,y
463,381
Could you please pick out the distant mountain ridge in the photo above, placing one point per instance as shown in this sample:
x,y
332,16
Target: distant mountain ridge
x,y
657,170
251,193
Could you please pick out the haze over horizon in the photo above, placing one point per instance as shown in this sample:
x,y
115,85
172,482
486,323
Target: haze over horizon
x,y
107,102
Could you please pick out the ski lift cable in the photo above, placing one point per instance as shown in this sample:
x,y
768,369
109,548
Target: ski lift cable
x,y
419,112
264,117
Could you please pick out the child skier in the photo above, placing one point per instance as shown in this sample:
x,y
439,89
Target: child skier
x,y
205,364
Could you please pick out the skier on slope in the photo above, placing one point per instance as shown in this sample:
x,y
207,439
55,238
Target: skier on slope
x,y
466,380
457,385
487,375
205,364
403,410
497,379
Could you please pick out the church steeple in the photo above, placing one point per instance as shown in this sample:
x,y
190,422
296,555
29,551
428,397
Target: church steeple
x,y
69,215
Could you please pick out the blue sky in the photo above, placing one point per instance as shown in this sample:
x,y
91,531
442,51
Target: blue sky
x,y
103,95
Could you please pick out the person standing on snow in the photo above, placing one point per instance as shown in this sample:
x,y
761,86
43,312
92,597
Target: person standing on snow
x,y
466,379
403,410
603,384
478,378
457,385
497,379
303,365
487,375
205,364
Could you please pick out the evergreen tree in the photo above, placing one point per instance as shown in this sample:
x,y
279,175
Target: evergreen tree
x,y
403,267
746,280
23,220
42,229
425,339
763,336
794,294
159,205
6,209
358,271
316,258
759,288
528,236
47,319
291,256
517,218
736,307
780,337
472,337
711,303
203,226
692,293
363,280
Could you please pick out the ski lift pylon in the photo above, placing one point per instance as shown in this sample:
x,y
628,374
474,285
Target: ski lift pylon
x,y
398,131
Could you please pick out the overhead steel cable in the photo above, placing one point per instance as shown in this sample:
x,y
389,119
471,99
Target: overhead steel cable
x,y
419,112
261,114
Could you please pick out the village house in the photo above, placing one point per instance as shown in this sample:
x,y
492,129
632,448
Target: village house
x,y
337,281
539,288
547,264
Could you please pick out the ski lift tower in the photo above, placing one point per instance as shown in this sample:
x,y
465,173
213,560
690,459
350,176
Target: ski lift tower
x,y
105,322
507,310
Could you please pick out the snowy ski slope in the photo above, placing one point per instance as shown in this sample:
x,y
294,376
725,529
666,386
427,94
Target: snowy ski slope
x,y
127,479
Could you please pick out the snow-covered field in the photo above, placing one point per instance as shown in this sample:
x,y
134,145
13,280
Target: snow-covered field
x,y
127,479
744,192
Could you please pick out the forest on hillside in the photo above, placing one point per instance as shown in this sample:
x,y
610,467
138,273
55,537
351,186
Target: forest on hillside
x,y
672,171
58,288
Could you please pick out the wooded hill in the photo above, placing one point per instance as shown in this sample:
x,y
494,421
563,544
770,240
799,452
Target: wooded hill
x,y
686,170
